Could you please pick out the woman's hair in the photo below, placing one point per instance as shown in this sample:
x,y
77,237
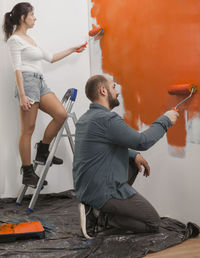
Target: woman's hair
x,y
12,19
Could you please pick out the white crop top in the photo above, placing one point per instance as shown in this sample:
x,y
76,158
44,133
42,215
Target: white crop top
x,y
26,57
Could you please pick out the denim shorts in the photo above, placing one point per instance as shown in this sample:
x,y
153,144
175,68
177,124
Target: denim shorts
x,y
34,86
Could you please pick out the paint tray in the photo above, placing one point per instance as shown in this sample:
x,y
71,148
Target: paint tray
x,y
24,230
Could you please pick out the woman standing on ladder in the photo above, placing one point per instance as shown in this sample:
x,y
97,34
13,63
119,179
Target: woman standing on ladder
x,y
32,91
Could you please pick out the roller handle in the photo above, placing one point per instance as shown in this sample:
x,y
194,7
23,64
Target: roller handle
x,y
81,47
193,89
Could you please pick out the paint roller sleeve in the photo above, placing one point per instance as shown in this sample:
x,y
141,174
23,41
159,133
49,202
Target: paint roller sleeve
x,y
182,89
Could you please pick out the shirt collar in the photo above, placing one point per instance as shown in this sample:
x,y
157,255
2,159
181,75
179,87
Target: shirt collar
x,y
98,106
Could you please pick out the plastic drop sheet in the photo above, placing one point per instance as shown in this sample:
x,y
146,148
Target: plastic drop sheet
x,y
58,214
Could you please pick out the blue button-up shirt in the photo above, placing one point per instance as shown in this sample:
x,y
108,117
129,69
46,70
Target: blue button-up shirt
x,y
101,158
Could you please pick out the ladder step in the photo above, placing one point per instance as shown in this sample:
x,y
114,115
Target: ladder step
x,y
41,163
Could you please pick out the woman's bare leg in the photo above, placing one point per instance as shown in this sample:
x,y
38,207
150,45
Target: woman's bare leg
x,y
50,104
28,119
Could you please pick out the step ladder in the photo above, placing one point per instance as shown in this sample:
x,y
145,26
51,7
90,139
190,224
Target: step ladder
x,y
68,102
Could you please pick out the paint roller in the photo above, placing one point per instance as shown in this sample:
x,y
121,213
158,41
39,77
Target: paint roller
x,y
181,90
24,230
95,33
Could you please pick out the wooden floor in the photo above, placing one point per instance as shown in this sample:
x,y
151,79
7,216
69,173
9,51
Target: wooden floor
x,y
188,249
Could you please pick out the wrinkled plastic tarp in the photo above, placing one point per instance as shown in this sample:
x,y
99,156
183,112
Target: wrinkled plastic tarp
x,y
58,214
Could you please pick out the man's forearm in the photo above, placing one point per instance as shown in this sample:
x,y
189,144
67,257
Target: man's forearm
x,y
121,134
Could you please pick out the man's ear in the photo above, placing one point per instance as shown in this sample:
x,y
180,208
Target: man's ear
x,y
102,90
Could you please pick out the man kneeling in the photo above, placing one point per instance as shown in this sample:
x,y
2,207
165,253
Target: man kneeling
x,y
106,162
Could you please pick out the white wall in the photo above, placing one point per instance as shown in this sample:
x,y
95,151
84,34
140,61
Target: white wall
x,y
173,187
60,25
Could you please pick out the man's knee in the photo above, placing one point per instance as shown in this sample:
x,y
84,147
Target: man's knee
x,y
154,225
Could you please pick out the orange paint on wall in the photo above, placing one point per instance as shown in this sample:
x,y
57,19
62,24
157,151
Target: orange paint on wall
x,y
149,45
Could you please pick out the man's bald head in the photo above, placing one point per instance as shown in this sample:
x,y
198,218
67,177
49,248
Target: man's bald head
x,y
92,86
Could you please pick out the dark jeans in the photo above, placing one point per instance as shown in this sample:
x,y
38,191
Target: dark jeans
x,y
135,213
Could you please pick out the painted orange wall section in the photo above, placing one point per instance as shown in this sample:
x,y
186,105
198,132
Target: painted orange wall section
x,y
149,45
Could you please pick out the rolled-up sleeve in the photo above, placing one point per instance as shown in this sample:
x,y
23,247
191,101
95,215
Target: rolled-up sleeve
x,y
15,48
121,134
132,153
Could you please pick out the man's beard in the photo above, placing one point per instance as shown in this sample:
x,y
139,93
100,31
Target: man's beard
x,y
113,102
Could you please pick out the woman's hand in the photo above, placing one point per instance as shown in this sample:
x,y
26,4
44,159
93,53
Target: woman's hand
x,y
80,48
25,104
